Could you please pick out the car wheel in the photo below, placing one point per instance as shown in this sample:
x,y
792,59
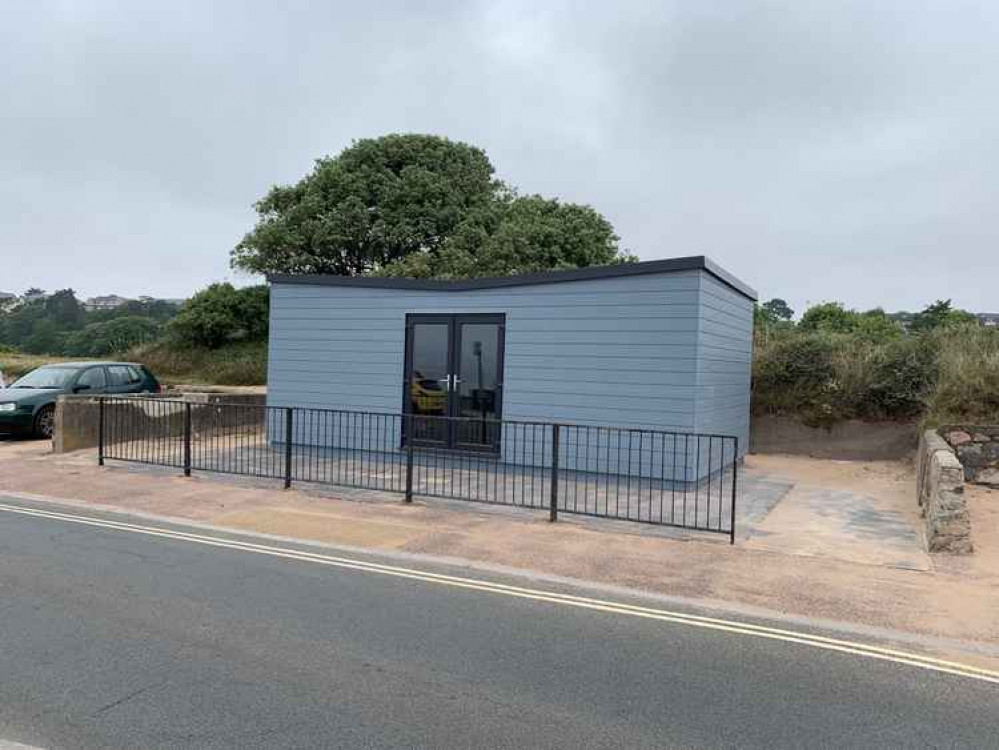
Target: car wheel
x,y
44,422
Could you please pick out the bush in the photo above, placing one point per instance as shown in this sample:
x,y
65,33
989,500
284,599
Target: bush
x,y
793,373
826,377
109,337
967,385
222,314
235,364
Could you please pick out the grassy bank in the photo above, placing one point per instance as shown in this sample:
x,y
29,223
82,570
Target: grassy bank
x,y
236,364
948,374
15,365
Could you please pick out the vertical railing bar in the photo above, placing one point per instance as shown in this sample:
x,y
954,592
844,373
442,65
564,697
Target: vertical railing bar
x,y
289,418
187,439
100,431
553,512
735,481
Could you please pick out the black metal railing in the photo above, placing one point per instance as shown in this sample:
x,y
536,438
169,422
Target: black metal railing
x,y
686,480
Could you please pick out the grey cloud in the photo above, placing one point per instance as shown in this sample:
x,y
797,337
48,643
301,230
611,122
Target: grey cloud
x,y
819,150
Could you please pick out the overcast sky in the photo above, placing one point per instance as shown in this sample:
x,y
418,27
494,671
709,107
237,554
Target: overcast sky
x,y
818,150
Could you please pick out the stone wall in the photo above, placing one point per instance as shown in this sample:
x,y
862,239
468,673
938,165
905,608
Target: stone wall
x,y
850,440
940,492
77,417
977,449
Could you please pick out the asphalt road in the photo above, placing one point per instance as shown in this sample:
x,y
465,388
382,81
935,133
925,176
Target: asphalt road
x,y
111,639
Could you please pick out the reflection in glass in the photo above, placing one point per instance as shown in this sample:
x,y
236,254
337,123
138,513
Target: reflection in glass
x,y
478,382
428,381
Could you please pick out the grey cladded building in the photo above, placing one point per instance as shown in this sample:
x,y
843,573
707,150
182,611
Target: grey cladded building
x,y
664,345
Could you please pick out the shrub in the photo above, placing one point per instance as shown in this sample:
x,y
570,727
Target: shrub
x,y
793,373
827,377
111,336
235,364
967,383
221,314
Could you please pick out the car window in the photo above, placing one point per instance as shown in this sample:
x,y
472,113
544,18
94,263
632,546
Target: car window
x,y
93,377
123,375
46,377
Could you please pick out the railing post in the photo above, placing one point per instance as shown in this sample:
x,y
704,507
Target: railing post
x,y
187,438
735,482
553,512
409,459
100,431
289,416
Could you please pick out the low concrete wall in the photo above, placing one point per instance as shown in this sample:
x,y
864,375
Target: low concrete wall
x,y
940,493
77,417
977,448
851,440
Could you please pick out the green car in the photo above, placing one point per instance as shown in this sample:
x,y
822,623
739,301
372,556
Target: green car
x,y
27,406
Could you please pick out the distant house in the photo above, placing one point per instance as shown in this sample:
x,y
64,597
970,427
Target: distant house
x,y
7,300
109,302
989,320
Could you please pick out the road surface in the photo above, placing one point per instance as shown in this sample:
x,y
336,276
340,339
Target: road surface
x,y
124,638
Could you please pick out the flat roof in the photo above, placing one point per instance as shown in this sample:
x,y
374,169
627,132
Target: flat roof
x,y
669,265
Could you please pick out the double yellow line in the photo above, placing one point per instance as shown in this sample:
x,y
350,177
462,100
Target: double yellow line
x,y
553,597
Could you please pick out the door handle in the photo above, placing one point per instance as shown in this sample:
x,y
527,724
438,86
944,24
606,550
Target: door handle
x,y
445,380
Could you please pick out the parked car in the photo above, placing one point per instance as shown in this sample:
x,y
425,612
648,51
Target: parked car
x,y
27,406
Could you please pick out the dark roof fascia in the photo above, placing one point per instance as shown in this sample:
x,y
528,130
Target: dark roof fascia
x,y
669,265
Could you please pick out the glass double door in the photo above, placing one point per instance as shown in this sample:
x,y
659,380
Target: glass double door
x,y
454,380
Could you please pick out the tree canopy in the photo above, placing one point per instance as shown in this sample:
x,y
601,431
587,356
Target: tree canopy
x,y
940,313
59,324
220,314
418,205
778,309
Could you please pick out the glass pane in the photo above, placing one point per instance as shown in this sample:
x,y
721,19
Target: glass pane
x,y
478,384
428,381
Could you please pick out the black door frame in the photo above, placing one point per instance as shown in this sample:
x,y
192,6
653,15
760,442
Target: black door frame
x,y
454,322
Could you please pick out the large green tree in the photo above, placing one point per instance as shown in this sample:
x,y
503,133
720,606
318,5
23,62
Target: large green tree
x,y
517,235
418,205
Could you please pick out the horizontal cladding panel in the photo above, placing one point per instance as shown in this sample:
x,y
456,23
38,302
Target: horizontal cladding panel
x,y
711,400
548,360
648,282
518,336
346,403
725,359
293,373
724,405
714,285
458,302
664,399
725,316
565,315
545,376
716,307
727,338
728,303
726,353
395,322
743,330
594,416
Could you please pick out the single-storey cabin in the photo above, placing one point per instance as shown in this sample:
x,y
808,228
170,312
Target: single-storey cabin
x,y
663,345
